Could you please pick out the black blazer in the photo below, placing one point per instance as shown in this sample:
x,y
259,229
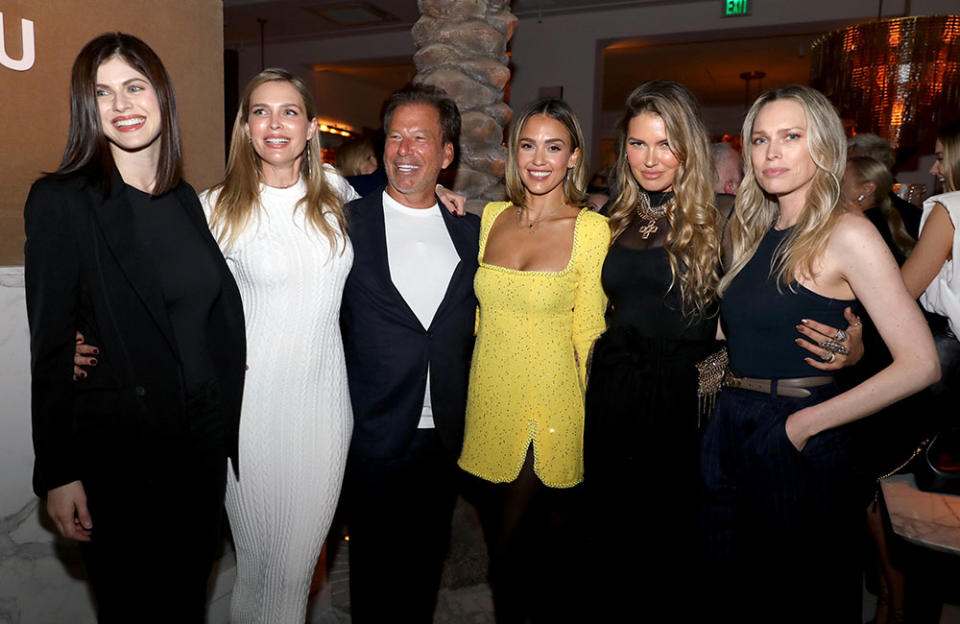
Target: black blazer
x,y
387,350
84,271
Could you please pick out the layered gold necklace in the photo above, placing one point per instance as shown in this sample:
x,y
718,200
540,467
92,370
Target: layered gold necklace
x,y
651,214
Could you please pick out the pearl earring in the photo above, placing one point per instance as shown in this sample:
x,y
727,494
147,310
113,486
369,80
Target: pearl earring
x,y
860,198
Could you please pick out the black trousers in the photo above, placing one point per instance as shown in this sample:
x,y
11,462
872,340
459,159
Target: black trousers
x,y
398,513
781,527
157,528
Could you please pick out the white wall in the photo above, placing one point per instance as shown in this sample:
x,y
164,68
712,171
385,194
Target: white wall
x,y
39,574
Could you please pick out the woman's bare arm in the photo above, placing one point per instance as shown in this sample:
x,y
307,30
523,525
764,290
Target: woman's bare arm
x,y
861,257
931,251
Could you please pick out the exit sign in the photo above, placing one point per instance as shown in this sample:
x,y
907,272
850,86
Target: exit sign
x,y
736,8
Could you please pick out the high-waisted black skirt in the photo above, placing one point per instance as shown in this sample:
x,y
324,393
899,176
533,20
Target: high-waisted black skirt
x,y
641,469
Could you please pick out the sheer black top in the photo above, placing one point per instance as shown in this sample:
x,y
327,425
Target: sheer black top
x,y
637,279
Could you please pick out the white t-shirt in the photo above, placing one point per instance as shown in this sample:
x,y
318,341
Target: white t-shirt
x,y
422,260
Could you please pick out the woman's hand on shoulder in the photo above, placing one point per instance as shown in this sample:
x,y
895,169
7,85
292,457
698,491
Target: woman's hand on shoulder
x,y
67,506
455,203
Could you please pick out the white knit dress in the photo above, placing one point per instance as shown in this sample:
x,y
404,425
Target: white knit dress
x,y
296,419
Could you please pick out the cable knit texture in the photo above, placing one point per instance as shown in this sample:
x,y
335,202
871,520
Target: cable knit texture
x,y
529,365
296,420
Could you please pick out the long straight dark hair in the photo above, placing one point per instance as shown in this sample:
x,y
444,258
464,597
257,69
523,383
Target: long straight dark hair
x,y
88,150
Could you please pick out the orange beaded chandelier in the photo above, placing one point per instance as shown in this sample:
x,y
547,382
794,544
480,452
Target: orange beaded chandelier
x,y
899,78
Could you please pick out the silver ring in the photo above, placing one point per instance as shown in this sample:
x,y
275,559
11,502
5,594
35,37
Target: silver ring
x,y
834,347
828,357
841,336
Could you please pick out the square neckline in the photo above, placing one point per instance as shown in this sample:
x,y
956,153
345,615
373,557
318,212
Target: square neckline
x,y
497,267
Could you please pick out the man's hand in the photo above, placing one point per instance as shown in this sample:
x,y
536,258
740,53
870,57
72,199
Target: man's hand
x,y
67,505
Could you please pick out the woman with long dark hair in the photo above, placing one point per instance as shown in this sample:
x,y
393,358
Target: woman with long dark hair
x,y
132,458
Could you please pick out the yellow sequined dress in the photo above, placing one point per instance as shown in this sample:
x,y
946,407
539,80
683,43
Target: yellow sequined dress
x,y
527,379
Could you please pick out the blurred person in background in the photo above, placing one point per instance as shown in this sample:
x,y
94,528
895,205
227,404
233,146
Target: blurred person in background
x,y
356,157
868,144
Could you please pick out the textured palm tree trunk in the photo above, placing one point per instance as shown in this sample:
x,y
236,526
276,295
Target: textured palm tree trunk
x,y
462,48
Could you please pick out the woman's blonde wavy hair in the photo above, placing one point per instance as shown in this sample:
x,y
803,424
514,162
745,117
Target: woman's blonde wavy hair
x,y
575,183
868,169
756,211
239,200
693,243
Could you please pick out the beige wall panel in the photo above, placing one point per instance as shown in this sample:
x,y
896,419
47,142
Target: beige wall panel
x,y
35,106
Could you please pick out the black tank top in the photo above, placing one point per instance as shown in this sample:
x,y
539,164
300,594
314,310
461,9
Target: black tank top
x,y
760,319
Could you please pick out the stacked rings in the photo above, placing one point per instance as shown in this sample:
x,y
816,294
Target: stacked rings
x,y
834,346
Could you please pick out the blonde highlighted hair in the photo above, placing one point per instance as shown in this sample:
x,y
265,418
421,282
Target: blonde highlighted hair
x,y
693,243
352,155
949,137
868,169
238,202
575,183
756,211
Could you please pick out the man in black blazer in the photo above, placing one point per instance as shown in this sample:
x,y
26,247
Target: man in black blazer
x,y
408,318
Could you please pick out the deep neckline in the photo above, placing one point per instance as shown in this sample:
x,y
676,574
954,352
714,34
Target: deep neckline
x,y
564,271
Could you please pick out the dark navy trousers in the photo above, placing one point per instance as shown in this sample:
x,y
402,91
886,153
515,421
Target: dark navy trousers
x,y
780,527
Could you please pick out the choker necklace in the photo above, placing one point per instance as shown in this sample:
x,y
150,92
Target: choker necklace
x,y
534,225
651,214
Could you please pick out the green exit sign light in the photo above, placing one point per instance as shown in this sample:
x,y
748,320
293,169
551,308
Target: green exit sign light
x,y
736,8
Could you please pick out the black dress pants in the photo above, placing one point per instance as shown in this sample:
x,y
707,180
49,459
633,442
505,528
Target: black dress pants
x,y
157,522
399,512
781,527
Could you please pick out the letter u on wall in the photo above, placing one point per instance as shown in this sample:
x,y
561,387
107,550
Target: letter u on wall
x,y
29,49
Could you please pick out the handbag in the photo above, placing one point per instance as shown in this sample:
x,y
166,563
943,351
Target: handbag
x,y
939,467
711,371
